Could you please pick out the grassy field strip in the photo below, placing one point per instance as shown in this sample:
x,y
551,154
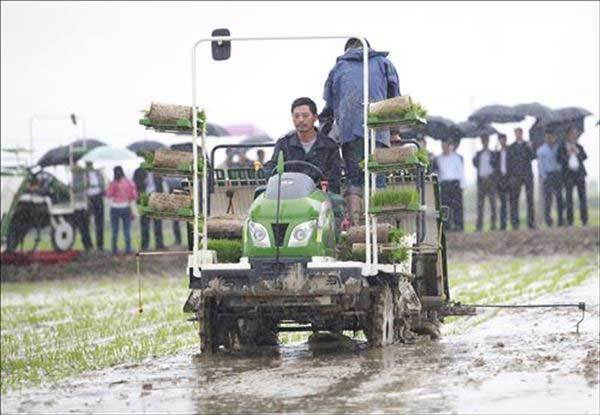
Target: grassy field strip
x,y
97,326
519,282
56,329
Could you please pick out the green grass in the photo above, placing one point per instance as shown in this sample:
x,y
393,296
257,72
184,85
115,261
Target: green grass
x,y
52,330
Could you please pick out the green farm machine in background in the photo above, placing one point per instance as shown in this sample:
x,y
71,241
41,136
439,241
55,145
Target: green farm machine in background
x,y
298,270
42,201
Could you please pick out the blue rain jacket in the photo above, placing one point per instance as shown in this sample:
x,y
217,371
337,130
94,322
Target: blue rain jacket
x,y
344,91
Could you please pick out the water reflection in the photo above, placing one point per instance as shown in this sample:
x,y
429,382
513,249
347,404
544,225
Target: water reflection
x,y
324,374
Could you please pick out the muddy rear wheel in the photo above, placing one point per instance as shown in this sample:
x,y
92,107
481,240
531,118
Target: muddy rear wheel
x,y
208,326
380,330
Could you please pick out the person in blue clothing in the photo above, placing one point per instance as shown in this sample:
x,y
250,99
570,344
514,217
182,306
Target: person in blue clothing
x,y
343,95
551,172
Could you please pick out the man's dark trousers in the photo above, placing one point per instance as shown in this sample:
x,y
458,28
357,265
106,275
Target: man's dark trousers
x,y
82,222
518,182
503,192
486,187
452,196
570,181
553,187
97,211
158,235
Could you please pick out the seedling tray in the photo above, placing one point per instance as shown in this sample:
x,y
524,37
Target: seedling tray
x,y
184,170
183,214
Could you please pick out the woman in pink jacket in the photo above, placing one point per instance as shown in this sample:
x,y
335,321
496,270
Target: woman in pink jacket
x,y
121,193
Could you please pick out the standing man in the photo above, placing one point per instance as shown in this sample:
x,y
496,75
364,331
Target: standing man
x,y
81,215
147,182
450,169
519,158
550,170
571,157
485,163
306,143
95,193
502,178
343,95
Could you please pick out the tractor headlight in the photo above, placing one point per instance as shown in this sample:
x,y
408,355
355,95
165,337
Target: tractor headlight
x,y
259,235
301,233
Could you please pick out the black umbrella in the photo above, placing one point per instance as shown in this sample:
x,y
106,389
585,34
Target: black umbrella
x,y
214,130
187,147
145,146
60,155
471,129
496,113
568,114
441,128
541,112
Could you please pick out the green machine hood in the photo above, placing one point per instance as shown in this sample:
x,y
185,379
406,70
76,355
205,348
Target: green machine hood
x,y
306,221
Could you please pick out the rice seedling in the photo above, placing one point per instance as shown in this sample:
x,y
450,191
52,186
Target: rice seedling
x,y
407,198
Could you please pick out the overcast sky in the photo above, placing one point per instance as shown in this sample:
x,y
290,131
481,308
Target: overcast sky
x,y
108,61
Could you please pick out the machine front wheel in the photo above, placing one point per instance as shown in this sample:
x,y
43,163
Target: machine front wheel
x,y
62,234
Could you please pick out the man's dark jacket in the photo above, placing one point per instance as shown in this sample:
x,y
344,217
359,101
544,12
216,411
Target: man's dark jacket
x,y
563,158
518,160
324,154
139,178
494,161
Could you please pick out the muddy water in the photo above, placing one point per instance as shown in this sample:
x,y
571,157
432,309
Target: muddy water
x,y
516,361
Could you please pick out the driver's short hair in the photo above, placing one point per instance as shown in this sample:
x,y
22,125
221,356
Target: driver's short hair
x,y
305,101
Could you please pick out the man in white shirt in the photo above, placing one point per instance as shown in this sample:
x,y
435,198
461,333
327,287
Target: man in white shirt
x,y
502,179
450,168
485,162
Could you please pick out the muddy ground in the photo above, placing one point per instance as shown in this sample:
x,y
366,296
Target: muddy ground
x,y
471,246
516,361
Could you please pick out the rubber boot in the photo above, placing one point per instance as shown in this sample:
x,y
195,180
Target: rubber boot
x,y
354,206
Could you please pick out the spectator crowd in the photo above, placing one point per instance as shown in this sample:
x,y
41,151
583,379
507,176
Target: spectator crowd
x,y
503,173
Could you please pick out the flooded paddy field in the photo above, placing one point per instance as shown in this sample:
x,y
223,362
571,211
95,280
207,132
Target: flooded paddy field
x,y
80,345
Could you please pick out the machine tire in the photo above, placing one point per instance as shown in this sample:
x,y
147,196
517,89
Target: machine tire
x,y
380,329
206,315
62,235
429,328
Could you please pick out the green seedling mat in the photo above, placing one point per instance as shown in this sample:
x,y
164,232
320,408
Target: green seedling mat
x,y
395,209
409,122
376,167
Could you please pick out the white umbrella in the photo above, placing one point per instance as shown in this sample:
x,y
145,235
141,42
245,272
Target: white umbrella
x,y
109,154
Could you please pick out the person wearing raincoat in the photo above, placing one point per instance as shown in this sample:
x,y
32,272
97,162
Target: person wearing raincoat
x,y
343,95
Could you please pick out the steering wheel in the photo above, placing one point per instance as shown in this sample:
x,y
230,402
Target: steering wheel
x,y
312,171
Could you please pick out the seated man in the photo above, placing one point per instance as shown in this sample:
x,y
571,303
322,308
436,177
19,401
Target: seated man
x,y
307,144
